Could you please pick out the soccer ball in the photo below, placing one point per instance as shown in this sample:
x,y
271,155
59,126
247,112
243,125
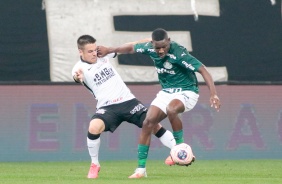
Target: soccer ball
x,y
182,154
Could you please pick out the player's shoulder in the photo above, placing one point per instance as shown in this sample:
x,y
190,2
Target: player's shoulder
x,y
111,55
103,61
177,47
77,64
107,58
178,50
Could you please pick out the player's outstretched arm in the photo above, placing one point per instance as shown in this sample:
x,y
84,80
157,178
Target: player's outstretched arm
x,y
123,49
127,48
214,100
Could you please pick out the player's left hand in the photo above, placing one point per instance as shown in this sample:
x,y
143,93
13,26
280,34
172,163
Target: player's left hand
x,y
215,102
79,75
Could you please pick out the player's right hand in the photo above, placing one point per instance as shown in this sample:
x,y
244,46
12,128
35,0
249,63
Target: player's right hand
x,y
215,102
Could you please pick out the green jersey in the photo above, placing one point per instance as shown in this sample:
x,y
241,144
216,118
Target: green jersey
x,y
177,69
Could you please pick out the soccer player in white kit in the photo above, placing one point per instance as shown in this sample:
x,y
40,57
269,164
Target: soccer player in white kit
x,y
115,102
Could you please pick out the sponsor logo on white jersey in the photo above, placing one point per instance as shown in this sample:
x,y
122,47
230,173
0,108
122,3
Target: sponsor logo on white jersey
x,y
109,102
103,75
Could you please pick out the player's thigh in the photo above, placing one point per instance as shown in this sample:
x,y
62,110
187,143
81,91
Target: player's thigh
x,y
162,100
139,117
155,115
134,112
108,116
188,98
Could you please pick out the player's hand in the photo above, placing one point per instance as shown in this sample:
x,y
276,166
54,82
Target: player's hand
x,y
102,51
79,75
215,102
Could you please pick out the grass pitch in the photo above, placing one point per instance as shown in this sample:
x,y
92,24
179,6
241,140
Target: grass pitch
x,y
116,172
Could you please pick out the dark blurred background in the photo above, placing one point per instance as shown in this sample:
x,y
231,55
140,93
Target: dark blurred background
x,y
246,38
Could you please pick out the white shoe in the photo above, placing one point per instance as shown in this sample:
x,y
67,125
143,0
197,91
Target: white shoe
x,y
139,173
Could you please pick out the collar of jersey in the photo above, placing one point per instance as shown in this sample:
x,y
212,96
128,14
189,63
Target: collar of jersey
x,y
85,61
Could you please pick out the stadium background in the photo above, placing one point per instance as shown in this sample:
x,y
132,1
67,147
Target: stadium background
x,y
44,116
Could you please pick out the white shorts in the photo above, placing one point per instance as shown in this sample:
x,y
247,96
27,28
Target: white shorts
x,y
188,98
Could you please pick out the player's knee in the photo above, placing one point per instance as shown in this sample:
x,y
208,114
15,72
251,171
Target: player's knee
x,y
171,111
96,126
174,110
94,130
149,123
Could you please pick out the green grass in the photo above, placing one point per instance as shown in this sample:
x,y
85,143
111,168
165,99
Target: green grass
x,y
116,172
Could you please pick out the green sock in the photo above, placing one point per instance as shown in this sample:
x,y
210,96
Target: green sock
x,y
142,155
178,135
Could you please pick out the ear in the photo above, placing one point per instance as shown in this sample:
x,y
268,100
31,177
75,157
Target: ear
x,y
80,52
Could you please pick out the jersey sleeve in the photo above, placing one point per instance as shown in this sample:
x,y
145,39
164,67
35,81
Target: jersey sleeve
x,y
188,61
111,55
142,48
75,67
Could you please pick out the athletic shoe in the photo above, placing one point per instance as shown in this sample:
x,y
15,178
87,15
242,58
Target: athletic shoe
x,y
93,171
139,173
169,161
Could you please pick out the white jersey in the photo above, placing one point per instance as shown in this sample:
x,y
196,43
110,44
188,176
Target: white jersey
x,y
103,81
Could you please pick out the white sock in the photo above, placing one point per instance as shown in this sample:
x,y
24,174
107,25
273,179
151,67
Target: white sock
x,y
93,148
167,139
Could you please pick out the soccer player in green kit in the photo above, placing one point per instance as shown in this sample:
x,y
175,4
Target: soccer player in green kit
x,y
176,72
